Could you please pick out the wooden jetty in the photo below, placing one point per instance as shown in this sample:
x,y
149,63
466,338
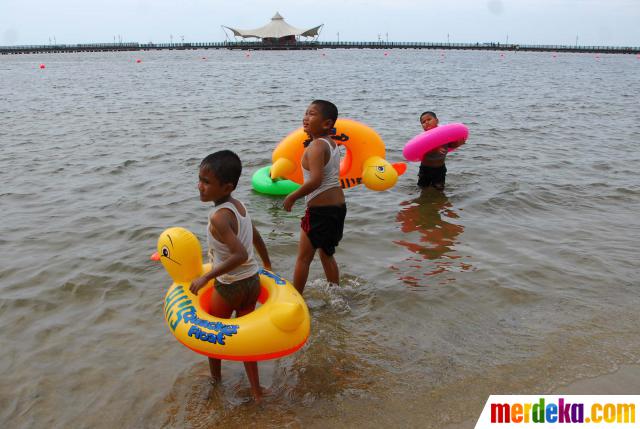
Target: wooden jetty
x,y
241,45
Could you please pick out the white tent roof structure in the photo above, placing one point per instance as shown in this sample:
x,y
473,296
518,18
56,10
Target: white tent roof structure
x,y
276,29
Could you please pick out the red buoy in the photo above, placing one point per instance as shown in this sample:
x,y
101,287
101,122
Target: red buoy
x,y
42,66
138,60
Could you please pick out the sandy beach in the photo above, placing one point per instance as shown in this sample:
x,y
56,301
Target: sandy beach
x,y
624,381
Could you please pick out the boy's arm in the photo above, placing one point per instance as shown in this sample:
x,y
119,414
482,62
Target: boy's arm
x,y
315,158
258,243
442,150
221,223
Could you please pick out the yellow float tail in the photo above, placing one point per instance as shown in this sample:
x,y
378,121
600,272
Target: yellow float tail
x,y
287,316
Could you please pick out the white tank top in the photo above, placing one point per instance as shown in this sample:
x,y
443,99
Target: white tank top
x,y
219,251
330,175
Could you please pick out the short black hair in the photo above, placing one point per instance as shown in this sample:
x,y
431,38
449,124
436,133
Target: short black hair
x,y
430,113
225,165
327,109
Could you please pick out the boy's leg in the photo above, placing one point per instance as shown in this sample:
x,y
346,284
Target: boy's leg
x,y
422,181
251,367
424,178
306,251
330,267
439,178
219,308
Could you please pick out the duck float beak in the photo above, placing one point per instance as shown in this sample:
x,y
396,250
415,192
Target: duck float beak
x,y
155,256
281,168
400,167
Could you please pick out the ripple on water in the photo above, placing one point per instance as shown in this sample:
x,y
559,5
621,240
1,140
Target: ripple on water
x,y
523,277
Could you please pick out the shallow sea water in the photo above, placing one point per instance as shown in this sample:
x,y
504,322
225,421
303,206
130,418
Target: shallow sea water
x,y
522,276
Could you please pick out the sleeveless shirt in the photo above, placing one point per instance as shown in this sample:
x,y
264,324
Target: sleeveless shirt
x,y
219,252
330,174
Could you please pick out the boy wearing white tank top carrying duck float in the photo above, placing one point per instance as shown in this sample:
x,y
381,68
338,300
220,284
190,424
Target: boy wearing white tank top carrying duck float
x,y
323,222
231,237
432,168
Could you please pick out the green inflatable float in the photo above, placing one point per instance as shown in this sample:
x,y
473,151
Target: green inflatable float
x,y
261,182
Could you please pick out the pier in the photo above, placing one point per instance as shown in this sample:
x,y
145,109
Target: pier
x,y
312,45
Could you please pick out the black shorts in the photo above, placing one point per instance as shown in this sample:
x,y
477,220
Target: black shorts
x,y
324,225
432,176
241,294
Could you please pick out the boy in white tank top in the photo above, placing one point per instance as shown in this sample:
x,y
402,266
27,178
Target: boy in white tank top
x,y
231,237
323,222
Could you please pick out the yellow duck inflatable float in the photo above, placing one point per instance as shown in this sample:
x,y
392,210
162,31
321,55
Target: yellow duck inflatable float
x,y
363,163
278,327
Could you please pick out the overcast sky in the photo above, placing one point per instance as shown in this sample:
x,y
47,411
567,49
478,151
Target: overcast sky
x,y
594,22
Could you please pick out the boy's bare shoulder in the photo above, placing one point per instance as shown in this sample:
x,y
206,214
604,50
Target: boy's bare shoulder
x,y
221,217
318,145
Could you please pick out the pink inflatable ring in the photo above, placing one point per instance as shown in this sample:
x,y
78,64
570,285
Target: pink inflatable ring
x,y
427,141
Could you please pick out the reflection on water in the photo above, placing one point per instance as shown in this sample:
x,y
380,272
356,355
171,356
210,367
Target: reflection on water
x,y
432,216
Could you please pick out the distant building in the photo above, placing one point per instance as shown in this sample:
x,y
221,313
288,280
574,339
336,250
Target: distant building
x,y
277,32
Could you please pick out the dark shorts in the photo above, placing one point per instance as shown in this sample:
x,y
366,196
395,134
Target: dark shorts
x,y
241,294
324,225
432,176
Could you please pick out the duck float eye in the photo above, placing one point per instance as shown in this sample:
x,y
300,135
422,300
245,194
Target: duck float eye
x,y
165,251
380,168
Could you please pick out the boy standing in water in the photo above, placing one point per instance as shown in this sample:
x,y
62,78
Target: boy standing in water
x,y
323,221
432,168
231,237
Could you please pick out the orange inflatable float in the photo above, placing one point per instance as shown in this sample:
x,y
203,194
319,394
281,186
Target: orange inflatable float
x,y
363,162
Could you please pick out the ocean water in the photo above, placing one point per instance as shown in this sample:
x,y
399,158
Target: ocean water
x,y
521,277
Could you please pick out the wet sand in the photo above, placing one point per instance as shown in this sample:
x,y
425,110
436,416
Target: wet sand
x,y
624,381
